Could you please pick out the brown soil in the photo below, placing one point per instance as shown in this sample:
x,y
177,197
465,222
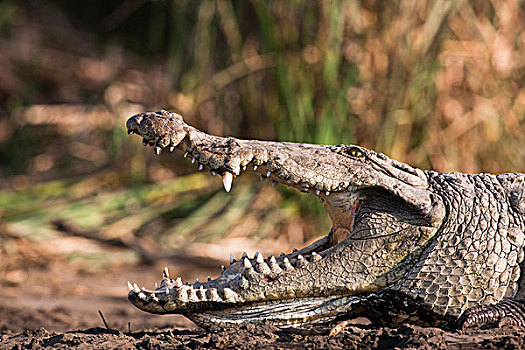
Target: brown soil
x,y
56,306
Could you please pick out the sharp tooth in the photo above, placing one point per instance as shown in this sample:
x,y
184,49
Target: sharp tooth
x,y
213,172
272,260
300,257
193,160
178,282
327,193
223,268
167,290
158,150
247,263
142,296
232,259
268,173
130,286
172,148
196,280
136,288
317,192
316,256
166,273
259,258
201,166
244,167
156,286
185,154
255,166
227,179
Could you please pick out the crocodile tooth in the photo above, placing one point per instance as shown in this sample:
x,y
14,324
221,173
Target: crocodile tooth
x,y
213,172
229,295
167,290
193,159
156,286
142,296
154,297
259,258
274,267
223,268
158,150
286,264
317,192
301,261
201,167
268,173
196,280
264,268
327,193
213,295
130,286
178,282
247,263
255,166
227,179
172,148
136,288
244,167
186,154
232,259
201,293
166,273
316,256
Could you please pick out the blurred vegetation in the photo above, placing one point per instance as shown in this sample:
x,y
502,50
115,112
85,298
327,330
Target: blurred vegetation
x,y
437,84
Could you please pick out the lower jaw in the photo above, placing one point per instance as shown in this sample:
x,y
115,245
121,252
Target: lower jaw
x,y
281,313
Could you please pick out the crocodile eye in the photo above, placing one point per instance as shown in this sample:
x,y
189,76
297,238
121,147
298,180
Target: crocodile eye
x,y
355,152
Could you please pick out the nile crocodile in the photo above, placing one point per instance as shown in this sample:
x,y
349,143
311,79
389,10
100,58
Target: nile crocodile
x,y
406,245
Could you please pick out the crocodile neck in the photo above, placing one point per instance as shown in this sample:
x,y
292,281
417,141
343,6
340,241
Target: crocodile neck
x,y
476,256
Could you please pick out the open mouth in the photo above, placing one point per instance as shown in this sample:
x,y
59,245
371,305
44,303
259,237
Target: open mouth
x,y
317,283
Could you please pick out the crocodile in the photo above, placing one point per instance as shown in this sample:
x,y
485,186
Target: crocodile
x,y
406,245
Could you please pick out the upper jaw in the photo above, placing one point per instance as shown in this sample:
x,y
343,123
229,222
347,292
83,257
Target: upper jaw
x,y
317,169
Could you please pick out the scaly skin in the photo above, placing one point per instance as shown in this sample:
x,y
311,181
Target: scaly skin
x,y
406,245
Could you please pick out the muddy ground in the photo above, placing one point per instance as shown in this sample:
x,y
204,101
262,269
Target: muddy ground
x,y
56,305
